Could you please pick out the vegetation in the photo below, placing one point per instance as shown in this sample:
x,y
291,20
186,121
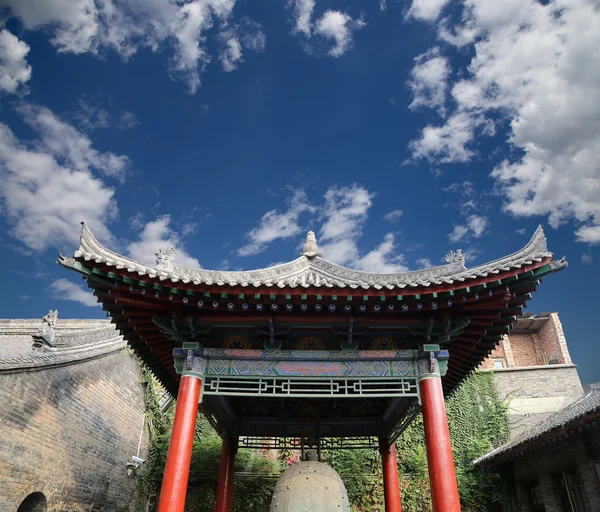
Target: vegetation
x,y
478,421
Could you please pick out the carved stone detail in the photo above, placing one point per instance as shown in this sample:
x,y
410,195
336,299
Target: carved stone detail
x,y
164,259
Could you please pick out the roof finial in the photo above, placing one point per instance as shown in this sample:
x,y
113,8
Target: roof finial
x,y
310,249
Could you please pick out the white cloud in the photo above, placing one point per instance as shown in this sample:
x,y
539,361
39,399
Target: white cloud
x,y
303,10
522,231
95,26
382,259
127,120
458,233
64,289
91,116
338,26
428,81
537,66
382,5
471,254
426,10
275,225
475,226
232,53
157,235
424,263
586,259
345,212
393,216
67,144
14,70
44,196
247,35
343,215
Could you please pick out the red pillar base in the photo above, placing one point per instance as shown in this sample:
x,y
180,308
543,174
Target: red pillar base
x,y
391,486
177,468
442,476
226,474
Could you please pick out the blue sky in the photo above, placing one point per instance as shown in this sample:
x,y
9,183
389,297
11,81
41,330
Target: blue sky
x,y
395,130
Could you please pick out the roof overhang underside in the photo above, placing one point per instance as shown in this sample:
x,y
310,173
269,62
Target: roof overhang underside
x,y
312,304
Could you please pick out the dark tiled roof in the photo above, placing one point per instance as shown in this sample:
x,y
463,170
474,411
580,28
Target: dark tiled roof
x,y
585,410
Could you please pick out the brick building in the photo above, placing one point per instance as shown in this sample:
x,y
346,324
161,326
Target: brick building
x,y
71,417
533,370
555,465
552,461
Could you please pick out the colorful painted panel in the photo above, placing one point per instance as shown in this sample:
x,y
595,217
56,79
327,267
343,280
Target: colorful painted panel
x,y
236,353
258,368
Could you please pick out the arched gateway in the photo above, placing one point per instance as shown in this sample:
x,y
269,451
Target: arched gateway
x,y
312,350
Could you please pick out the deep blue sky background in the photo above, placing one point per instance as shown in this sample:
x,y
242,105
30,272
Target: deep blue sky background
x,y
284,120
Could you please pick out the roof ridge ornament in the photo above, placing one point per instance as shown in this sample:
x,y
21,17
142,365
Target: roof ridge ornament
x,y
455,256
310,249
164,259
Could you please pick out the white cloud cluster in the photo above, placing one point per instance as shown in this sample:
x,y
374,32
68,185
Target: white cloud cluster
x,y
334,25
537,66
428,81
393,216
64,289
14,70
92,26
155,235
275,225
345,212
342,215
338,26
234,40
475,226
426,10
49,184
69,145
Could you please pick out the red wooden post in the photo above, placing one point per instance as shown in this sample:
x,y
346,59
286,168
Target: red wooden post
x,y
226,474
391,487
177,468
442,476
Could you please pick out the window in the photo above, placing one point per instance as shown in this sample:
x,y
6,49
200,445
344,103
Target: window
x,y
570,490
498,363
533,492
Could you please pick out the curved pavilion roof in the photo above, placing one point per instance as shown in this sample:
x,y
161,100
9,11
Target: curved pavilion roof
x,y
312,271
466,310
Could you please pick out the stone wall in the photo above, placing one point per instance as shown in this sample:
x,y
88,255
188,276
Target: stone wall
x,y
536,392
70,418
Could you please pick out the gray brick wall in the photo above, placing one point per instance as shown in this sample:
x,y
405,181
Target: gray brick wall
x,y
69,431
534,393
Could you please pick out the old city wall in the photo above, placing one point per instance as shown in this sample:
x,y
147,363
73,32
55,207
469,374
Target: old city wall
x,y
70,419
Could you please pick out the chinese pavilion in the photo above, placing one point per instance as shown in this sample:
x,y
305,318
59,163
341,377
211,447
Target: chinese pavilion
x,y
311,350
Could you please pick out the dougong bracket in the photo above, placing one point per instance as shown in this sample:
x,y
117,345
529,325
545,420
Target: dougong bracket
x,y
189,360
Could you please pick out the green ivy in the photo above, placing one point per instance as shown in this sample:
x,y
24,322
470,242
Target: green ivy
x,y
478,422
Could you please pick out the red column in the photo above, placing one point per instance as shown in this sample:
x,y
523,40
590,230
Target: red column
x,y
391,487
226,472
177,468
442,477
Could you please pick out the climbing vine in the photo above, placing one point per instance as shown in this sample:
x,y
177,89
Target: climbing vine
x,y
478,422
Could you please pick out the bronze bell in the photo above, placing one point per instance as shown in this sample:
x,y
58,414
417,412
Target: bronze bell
x,y
310,486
